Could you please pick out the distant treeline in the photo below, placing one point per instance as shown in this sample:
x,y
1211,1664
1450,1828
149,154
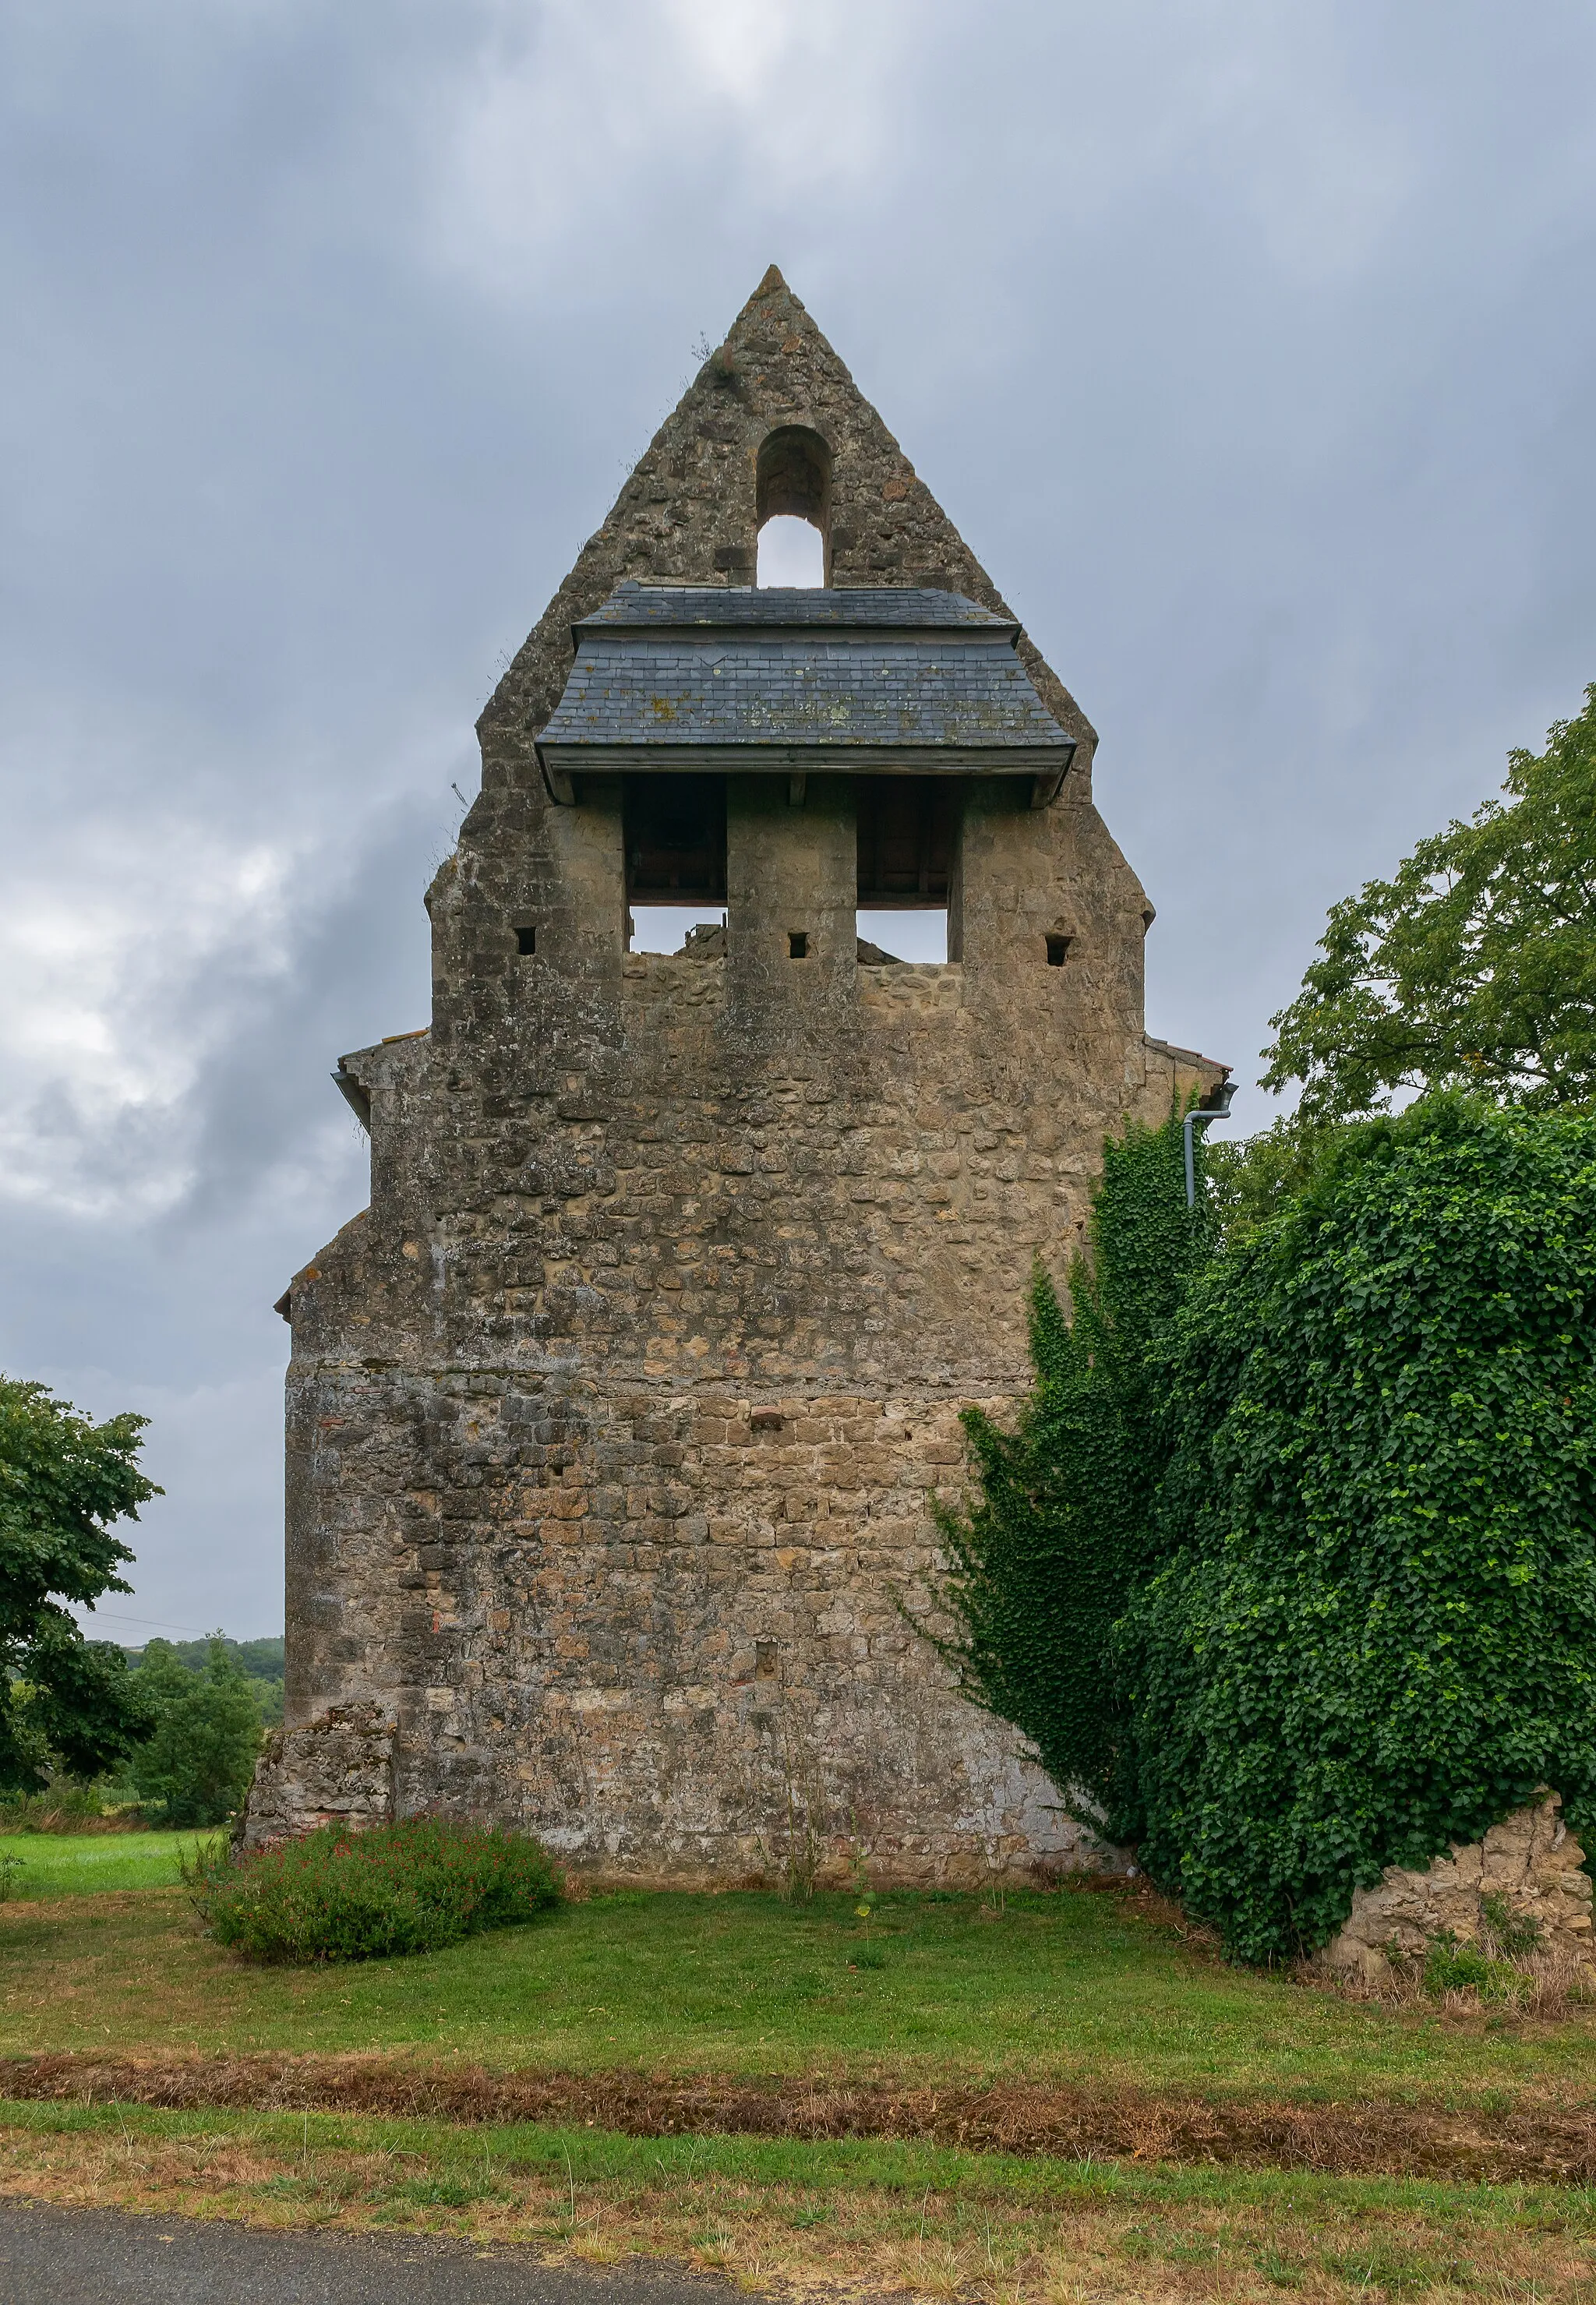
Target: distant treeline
x,y
259,1661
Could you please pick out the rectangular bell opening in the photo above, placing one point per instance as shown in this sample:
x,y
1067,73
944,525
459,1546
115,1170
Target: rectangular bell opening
x,y
908,834
908,840
673,830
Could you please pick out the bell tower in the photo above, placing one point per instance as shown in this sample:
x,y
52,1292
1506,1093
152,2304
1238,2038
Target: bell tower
x,y
615,1422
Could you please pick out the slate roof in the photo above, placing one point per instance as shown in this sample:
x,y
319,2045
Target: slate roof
x,y
670,676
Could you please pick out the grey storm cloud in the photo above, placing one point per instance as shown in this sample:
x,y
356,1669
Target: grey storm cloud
x,y
1251,347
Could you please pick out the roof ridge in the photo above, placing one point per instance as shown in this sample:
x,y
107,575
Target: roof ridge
x,y
636,606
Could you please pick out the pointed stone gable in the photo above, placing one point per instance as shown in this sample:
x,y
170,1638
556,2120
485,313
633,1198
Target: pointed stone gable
x,y
690,514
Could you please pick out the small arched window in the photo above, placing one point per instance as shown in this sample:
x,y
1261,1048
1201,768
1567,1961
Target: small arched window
x,y
794,506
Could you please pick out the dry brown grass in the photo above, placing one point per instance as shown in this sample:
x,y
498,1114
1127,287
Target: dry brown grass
x,y
1551,1985
860,2241
1528,2142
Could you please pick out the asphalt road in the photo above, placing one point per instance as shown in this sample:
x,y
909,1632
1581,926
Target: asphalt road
x,y
50,2256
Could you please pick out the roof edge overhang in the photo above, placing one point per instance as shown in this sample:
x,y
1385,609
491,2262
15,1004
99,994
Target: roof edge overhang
x,y
818,759
1047,765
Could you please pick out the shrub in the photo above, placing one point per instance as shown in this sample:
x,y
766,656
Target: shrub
x,y
196,1767
337,1895
1375,1630
1513,1933
65,1806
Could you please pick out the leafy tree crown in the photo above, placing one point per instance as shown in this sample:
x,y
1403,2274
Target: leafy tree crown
x,y
1474,966
62,1481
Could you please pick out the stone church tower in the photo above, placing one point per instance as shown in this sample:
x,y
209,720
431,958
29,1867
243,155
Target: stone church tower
x,y
613,1423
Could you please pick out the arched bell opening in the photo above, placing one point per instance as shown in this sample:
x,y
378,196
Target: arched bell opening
x,y
794,504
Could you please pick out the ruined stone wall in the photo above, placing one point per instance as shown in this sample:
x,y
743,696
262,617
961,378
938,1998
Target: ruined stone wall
x,y
615,1422
1530,1863
612,1465
337,1769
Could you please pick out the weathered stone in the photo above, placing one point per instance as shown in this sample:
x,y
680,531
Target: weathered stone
x,y
614,1422
1530,1860
337,1769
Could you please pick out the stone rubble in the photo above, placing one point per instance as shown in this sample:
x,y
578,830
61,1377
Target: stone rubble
x,y
1530,1860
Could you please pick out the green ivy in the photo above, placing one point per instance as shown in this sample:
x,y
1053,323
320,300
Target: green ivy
x,y
1063,1527
1373,1631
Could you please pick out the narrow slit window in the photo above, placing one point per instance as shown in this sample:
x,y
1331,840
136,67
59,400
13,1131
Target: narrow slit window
x,y
526,938
797,944
1059,950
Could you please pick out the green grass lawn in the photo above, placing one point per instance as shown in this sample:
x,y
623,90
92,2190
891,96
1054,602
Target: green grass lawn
x,y
84,1864
1076,1985
1073,1987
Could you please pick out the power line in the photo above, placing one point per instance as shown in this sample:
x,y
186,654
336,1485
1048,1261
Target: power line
x,y
155,1624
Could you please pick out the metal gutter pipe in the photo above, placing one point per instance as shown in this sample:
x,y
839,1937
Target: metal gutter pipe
x,y
1220,1112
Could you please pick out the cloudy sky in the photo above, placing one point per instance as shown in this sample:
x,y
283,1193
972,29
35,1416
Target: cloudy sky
x,y
1252,346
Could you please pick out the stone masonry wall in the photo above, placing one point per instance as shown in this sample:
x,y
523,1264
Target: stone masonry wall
x,y
615,1422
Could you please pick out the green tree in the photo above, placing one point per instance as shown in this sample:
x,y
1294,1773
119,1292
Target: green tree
x,y
196,1767
62,1481
1249,1181
1062,1527
1474,966
259,1660
1372,1629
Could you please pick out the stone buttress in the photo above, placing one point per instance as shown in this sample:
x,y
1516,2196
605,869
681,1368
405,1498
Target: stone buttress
x,y
615,1421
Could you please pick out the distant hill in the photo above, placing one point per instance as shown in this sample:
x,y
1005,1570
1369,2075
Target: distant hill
x,y
261,1663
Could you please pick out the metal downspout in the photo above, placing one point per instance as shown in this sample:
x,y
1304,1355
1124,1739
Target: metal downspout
x,y
1220,1112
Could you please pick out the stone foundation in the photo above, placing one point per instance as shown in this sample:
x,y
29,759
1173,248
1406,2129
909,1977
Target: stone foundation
x,y
1530,1860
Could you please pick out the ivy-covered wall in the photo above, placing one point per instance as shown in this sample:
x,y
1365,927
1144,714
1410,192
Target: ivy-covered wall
x,y
1376,1631
1289,1566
